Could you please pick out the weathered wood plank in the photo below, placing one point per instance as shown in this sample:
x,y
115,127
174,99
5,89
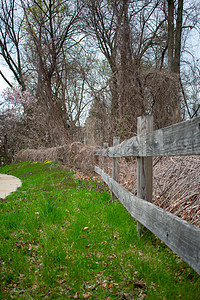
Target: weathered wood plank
x,y
115,174
179,139
129,147
144,167
182,237
105,159
115,171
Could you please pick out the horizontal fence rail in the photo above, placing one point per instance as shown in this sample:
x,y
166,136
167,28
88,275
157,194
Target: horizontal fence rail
x,y
179,139
182,237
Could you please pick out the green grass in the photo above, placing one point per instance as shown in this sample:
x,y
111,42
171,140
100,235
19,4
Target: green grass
x,y
64,238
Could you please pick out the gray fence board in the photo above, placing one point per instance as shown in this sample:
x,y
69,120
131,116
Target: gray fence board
x,y
179,139
182,237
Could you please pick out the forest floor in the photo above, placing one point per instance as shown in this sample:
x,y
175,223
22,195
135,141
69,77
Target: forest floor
x,y
62,237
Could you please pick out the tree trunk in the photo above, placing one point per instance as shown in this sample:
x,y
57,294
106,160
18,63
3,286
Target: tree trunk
x,y
174,36
55,121
114,95
170,34
126,62
177,48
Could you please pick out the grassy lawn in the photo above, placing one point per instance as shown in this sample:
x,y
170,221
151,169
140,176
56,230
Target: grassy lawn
x,y
64,238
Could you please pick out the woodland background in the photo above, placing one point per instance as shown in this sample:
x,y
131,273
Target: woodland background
x,y
85,70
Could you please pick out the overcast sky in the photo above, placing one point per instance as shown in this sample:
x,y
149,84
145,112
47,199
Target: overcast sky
x,y
6,71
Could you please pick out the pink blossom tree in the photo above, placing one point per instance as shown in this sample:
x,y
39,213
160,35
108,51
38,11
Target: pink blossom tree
x,y
22,123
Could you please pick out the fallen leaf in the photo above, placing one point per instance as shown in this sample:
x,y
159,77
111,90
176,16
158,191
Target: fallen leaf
x,y
76,296
21,292
92,287
112,256
87,295
61,281
85,228
125,296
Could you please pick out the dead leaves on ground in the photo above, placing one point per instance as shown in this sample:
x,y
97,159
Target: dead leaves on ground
x,y
86,295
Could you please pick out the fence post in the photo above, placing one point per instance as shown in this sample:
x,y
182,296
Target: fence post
x,y
116,141
144,166
105,159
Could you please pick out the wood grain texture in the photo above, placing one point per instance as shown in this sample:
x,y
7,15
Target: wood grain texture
x,y
115,168
105,159
144,167
182,237
144,164
179,139
115,165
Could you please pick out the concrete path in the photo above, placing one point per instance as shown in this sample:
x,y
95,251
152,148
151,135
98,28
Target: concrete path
x,y
8,184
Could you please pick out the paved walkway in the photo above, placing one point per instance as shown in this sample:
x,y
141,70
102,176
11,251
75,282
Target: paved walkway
x,y
8,184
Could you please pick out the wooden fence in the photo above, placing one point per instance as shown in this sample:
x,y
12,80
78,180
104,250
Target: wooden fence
x,y
179,139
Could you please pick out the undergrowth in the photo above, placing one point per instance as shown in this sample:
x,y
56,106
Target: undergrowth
x,y
64,238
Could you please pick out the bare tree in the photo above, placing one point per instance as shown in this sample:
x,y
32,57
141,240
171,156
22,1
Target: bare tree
x,y
22,123
175,20
51,28
75,85
137,29
102,23
11,40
